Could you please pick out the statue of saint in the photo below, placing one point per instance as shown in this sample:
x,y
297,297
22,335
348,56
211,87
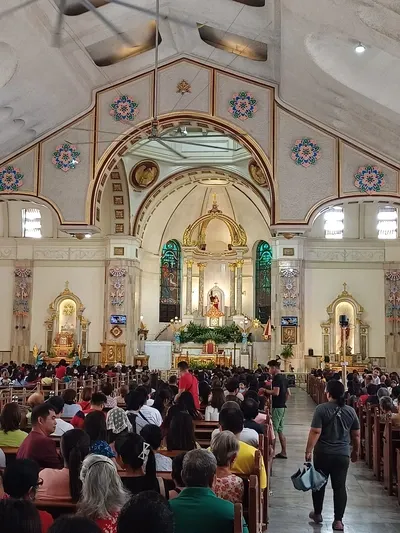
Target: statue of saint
x,y
214,301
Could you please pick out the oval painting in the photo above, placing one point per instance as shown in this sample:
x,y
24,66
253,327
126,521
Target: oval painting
x,y
257,174
144,174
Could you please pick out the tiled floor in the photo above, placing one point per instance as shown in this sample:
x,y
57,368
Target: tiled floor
x,y
369,509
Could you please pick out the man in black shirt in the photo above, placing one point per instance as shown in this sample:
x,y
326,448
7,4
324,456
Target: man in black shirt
x,y
279,393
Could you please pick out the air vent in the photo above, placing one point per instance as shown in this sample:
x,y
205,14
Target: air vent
x,y
74,7
112,50
251,3
230,42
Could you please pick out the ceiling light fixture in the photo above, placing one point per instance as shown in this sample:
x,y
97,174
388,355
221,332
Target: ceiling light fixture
x,y
360,48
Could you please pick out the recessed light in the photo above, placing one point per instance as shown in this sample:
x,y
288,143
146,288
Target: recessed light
x,y
87,236
360,48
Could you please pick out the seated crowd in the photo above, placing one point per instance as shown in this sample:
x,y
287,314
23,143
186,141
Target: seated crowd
x,y
370,388
131,455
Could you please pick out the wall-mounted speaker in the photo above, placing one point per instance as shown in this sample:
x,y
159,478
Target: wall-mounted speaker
x,y
310,352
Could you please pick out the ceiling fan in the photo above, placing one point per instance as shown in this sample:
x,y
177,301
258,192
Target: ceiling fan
x,y
179,135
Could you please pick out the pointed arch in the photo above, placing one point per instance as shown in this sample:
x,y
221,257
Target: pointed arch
x,y
262,276
170,281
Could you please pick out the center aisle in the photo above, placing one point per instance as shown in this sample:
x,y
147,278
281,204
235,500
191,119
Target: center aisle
x,y
369,509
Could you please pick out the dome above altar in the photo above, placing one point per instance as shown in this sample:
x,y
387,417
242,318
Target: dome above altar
x,y
215,233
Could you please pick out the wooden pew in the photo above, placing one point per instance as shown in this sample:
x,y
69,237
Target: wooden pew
x,y
361,416
238,519
255,503
203,431
368,434
391,447
398,474
377,444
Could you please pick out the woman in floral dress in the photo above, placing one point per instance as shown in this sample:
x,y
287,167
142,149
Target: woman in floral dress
x,y
228,486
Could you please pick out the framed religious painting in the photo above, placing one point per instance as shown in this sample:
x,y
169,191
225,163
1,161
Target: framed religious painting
x,y
288,335
144,174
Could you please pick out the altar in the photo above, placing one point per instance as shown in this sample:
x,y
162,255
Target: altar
x,y
66,328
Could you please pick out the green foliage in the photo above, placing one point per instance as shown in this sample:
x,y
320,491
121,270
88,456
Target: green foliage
x,y
202,365
200,334
287,351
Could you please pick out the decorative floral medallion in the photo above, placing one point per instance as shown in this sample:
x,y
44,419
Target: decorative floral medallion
x,y
183,87
242,105
393,275
124,109
116,332
117,292
393,295
305,152
289,286
369,179
11,179
66,157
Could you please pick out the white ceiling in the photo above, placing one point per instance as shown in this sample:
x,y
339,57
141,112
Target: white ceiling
x,y
310,55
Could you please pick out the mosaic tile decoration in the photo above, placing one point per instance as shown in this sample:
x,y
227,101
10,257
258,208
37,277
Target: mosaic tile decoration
x,y
117,187
119,213
124,109
11,179
119,228
369,179
66,157
118,200
242,105
305,152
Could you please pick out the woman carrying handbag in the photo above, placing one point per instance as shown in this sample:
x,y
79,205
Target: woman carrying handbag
x,y
334,427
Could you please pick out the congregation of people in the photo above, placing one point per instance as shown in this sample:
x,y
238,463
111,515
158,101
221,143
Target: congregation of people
x,y
132,455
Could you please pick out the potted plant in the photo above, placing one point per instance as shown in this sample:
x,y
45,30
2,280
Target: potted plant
x,y
287,353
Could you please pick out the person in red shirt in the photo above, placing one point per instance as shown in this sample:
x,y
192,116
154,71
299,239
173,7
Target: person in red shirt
x,y
61,369
97,403
38,445
188,382
21,481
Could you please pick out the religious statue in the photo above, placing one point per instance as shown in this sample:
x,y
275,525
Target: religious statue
x,y
214,310
40,359
214,300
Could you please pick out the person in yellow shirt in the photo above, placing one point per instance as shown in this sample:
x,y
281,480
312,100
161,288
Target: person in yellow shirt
x,y
10,419
231,419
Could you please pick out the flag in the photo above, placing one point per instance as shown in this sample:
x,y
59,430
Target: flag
x,y
267,330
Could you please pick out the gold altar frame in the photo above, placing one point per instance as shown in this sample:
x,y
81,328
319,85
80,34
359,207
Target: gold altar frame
x,y
51,324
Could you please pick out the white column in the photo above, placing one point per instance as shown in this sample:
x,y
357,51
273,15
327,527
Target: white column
x,y
239,266
202,267
189,274
232,287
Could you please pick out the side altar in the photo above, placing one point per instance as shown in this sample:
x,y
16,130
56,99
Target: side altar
x,y
66,328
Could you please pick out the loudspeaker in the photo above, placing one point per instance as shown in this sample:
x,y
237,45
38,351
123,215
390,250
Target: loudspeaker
x,y
310,352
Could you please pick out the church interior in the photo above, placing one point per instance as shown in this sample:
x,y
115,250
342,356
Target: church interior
x,y
274,232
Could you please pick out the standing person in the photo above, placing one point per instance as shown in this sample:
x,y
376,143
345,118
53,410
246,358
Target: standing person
x,y
279,393
38,445
333,426
188,382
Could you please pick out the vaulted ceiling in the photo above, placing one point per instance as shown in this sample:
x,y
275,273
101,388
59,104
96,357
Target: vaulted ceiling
x,y
309,53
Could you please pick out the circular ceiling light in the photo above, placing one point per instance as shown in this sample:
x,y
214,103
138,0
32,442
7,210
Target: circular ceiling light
x,y
359,49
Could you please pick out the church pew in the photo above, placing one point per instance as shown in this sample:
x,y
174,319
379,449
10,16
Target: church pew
x,y
398,474
10,453
377,444
203,431
391,446
254,519
238,519
361,416
368,434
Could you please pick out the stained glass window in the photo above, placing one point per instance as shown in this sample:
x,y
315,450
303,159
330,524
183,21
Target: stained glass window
x,y
170,281
263,282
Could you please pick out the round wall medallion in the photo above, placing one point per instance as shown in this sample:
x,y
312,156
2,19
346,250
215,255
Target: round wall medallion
x,y
257,174
144,174
369,179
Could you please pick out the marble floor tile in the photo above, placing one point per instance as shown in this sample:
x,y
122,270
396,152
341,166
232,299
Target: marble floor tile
x,y
369,509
